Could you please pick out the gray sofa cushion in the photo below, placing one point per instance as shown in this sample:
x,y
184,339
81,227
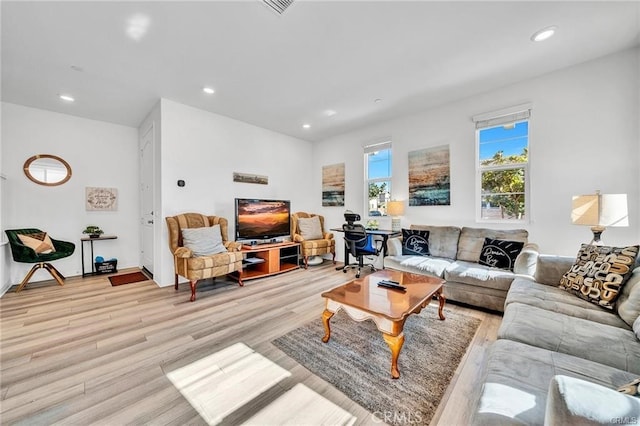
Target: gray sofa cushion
x,y
443,240
479,275
605,344
418,264
517,377
554,299
471,241
628,304
573,401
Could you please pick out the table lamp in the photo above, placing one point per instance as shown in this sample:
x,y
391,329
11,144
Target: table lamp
x,y
395,209
599,211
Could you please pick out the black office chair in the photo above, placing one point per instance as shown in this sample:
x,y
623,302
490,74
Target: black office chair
x,y
359,244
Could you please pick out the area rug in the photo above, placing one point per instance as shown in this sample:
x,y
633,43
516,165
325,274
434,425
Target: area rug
x,y
128,278
357,361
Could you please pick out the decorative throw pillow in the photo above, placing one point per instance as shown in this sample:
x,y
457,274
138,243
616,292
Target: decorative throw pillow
x,y
500,254
599,273
310,228
632,388
39,242
203,241
415,242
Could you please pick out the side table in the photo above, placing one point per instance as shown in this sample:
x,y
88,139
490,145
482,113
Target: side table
x,y
91,240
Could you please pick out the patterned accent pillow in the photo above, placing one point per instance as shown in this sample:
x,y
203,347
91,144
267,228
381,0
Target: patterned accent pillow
x,y
500,254
632,388
203,241
599,273
310,228
415,242
39,242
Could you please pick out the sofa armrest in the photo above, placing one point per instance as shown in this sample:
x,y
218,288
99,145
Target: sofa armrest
x,y
551,268
527,260
233,246
572,401
394,246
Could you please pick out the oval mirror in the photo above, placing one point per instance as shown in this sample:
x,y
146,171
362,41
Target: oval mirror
x,y
49,170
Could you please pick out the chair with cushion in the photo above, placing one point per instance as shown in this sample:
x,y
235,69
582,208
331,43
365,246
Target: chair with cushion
x,y
308,230
31,245
359,244
201,249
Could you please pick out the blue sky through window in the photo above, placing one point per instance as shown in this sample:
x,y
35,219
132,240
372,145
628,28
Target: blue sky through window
x,y
511,141
379,164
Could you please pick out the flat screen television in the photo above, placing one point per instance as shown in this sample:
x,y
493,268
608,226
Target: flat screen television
x,y
262,219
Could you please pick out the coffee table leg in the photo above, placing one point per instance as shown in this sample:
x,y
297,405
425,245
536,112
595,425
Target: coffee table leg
x,y
441,300
326,316
395,344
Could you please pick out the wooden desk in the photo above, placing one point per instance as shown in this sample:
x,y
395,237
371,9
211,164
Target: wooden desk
x,y
91,240
384,233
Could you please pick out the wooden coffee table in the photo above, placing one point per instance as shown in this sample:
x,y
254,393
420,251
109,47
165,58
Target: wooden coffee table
x,y
363,299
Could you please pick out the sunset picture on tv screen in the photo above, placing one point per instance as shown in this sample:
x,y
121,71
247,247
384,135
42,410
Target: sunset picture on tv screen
x,y
260,218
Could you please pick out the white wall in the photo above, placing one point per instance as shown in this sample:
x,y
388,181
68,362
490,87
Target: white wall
x,y
584,136
100,155
204,149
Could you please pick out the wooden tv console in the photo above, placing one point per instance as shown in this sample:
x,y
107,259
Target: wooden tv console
x,y
268,259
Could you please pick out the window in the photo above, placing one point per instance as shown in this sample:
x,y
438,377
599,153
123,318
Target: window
x,y
503,167
377,178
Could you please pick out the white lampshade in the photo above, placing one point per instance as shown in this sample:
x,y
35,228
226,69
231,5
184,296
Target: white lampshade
x,y
395,208
600,210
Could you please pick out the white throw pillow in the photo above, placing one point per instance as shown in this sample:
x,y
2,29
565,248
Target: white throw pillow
x,y
203,241
310,228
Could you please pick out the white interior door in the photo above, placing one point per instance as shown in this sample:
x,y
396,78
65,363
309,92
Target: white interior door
x,y
146,197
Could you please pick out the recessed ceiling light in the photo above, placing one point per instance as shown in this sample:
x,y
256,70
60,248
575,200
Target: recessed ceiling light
x,y
208,90
544,33
66,98
330,113
306,126
137,26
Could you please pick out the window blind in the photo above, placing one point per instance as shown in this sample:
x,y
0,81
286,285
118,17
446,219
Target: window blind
x,y
504,116
376,147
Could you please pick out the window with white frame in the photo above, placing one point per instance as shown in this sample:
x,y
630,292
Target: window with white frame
x,y
377,160
502,146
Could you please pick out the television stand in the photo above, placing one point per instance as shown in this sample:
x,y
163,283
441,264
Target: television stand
x,y
262,260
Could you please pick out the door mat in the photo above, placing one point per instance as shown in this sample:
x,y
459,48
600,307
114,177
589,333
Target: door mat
x,y
131,277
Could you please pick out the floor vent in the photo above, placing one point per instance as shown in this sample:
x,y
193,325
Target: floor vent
x,y
278,5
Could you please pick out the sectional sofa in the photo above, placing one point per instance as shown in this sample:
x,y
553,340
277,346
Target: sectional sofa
x,y
559,359
454,254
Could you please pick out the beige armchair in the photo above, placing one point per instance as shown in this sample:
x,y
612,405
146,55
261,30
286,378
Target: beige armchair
x,y
196,267
313,238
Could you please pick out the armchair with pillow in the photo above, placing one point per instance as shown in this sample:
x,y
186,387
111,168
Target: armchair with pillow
x,y
201,249
308,230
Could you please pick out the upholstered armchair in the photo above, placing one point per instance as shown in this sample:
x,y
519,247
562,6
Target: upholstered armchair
x,y
201,249
31,245
308,230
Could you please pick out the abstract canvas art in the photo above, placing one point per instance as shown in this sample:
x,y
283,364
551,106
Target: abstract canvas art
x,y
429,177
333,185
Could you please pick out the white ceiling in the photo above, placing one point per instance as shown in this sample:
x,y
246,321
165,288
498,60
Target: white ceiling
x,y
280,71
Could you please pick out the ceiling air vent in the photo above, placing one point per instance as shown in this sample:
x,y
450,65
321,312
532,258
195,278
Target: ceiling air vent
x,y
278,5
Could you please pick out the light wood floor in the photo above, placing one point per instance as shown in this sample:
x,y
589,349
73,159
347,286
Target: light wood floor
x,y
90,353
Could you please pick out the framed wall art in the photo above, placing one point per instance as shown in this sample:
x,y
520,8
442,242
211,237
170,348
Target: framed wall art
x,y
430,177
101,199
333,185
